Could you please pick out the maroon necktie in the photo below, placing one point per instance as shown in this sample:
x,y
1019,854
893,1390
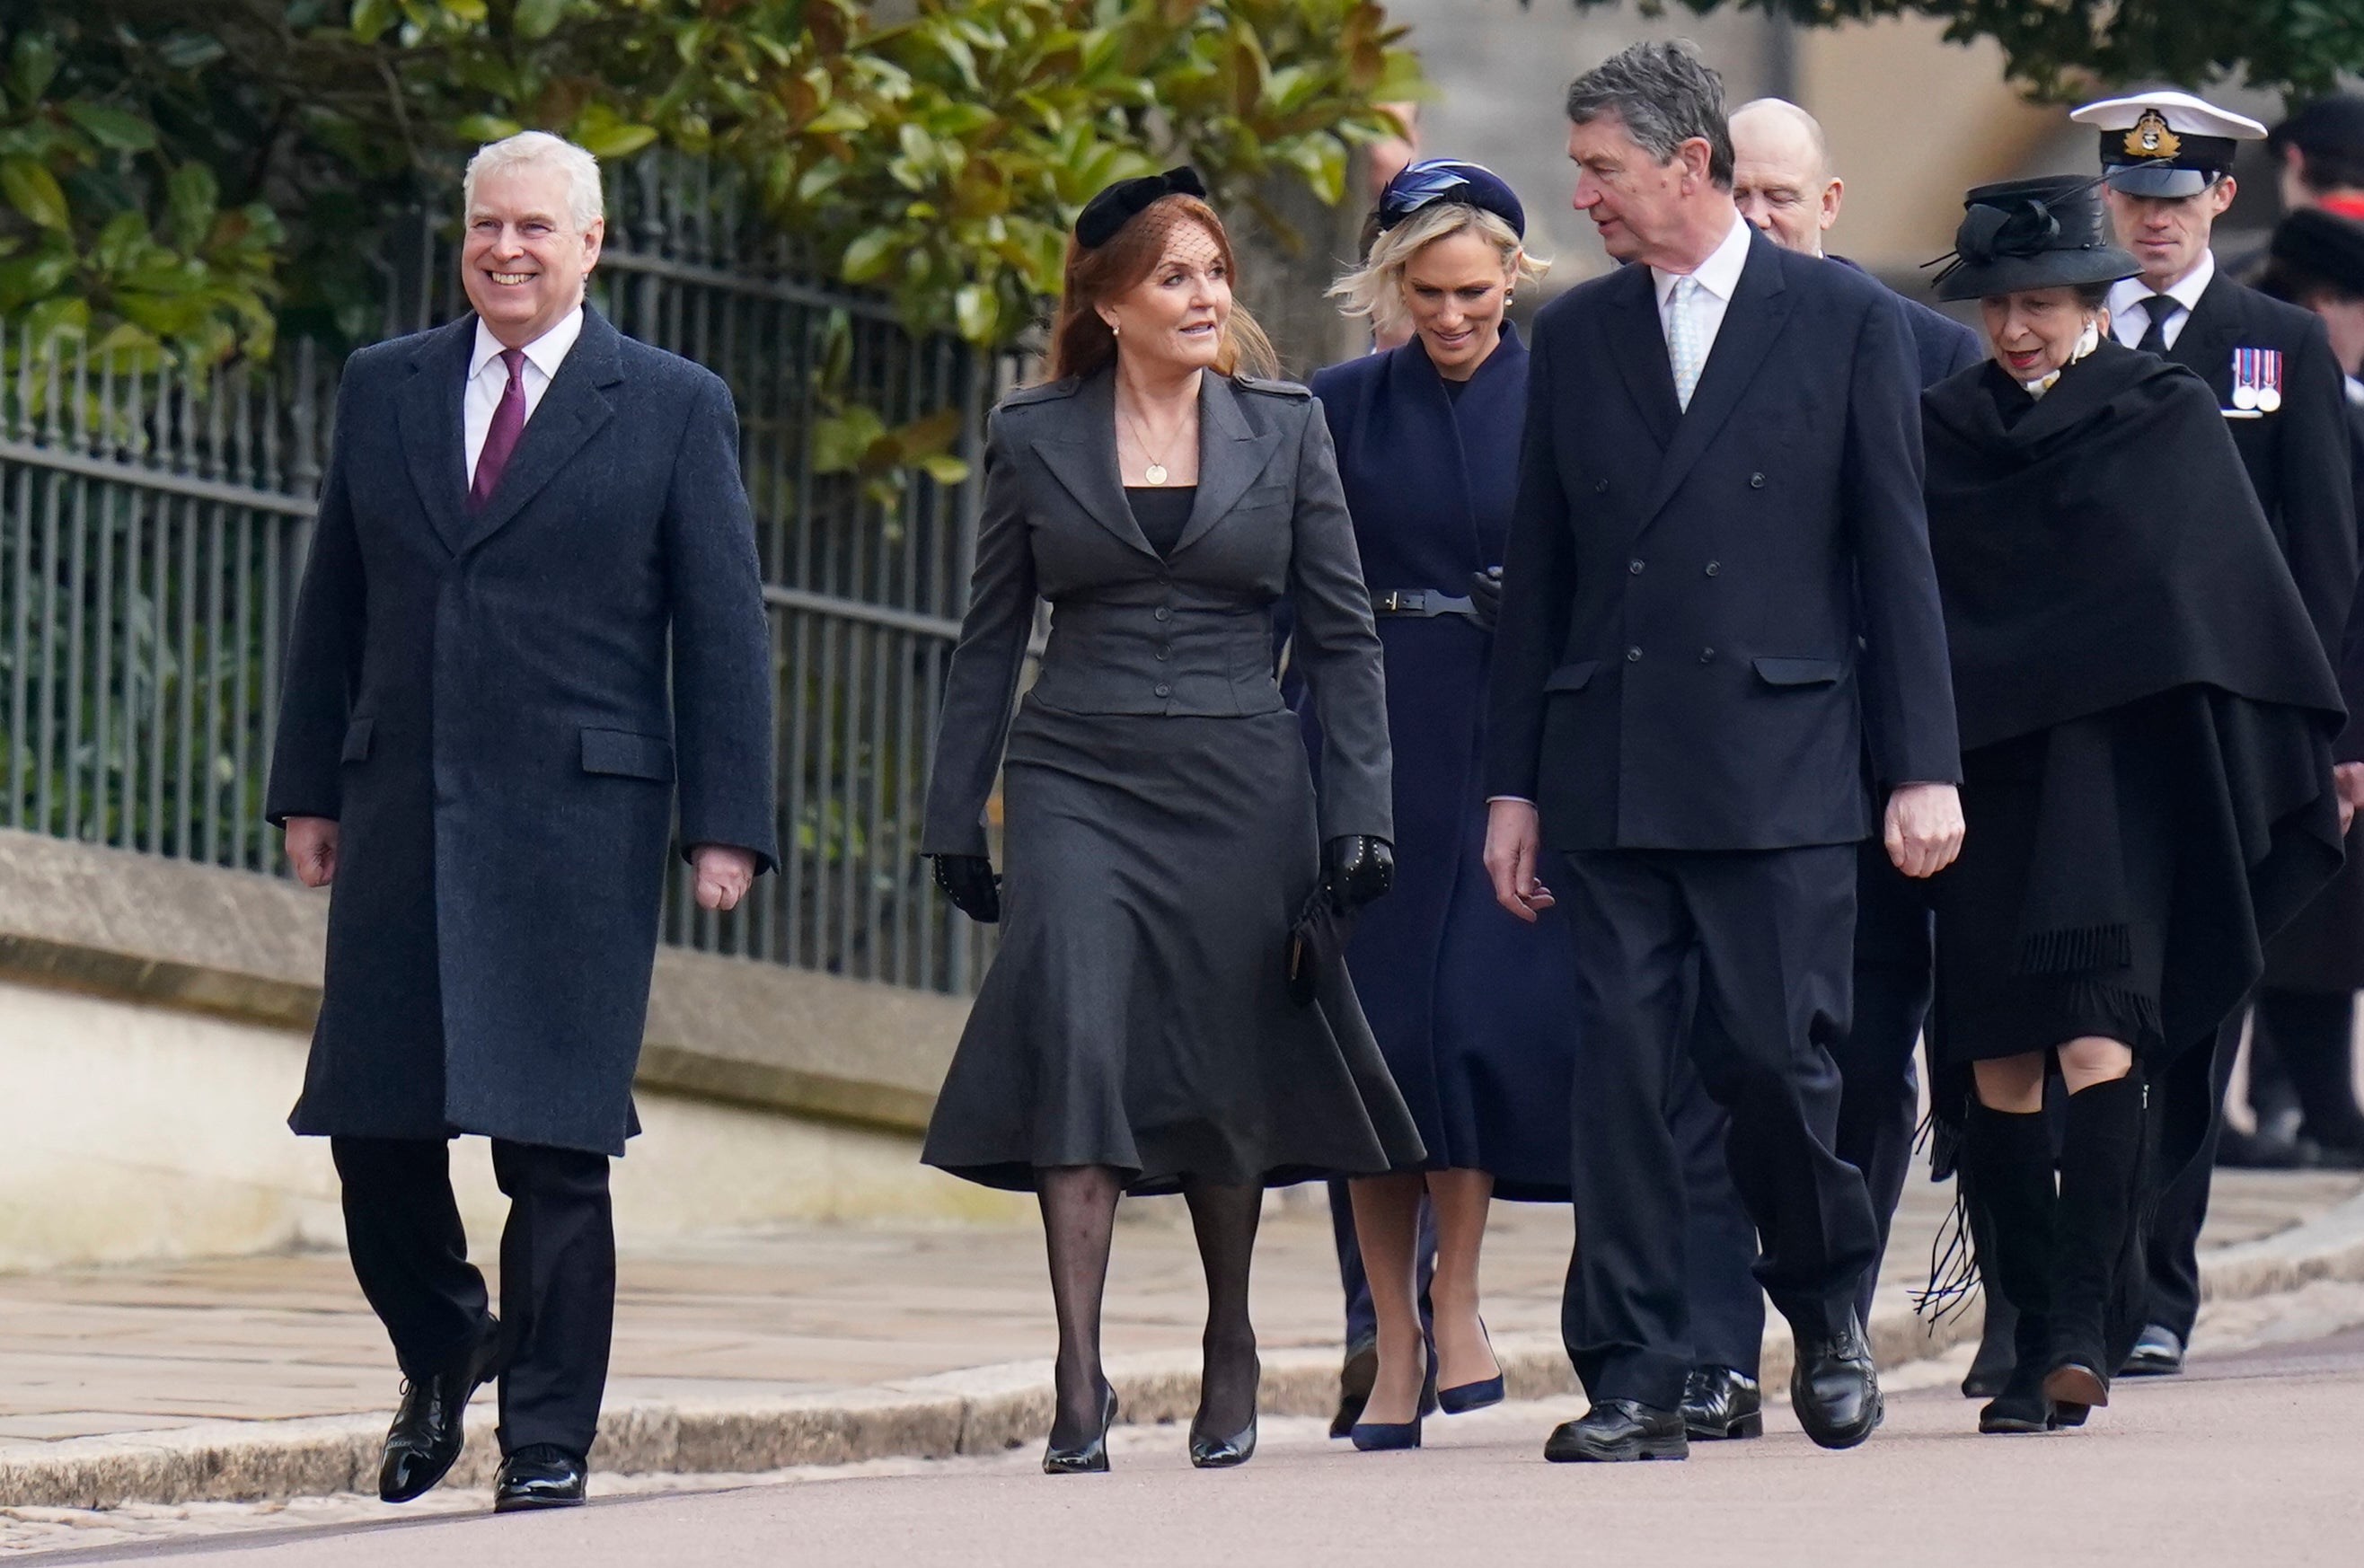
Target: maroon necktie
x,y
501,438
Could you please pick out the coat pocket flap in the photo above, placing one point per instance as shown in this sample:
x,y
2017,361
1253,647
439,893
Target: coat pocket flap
x,y
1571,677
357,741
1776,672
633,756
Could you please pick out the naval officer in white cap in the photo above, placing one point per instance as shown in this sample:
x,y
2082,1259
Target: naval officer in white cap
x,y
2167,158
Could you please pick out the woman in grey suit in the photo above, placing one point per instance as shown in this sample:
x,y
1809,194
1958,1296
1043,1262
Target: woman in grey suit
x,y
1137,1031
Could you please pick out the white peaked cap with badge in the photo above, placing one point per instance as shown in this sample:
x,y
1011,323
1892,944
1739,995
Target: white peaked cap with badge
x,y
2166,143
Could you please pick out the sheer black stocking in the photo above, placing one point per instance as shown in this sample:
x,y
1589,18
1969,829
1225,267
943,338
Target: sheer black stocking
x,y
1224,1218
1079,1214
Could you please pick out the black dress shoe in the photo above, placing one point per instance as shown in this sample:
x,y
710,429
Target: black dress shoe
x,y
1617,1429
1090,1456
1835,1389
540,1475
2158,1353
1719,1403
428,1431
1354,1380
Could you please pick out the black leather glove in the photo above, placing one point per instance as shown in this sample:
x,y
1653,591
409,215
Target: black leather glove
x,y
1356,868
969,881
1486,597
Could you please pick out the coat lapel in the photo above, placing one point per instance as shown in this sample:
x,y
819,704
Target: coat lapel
x,y
1082,458
573,410
2206,344
1752,321
1231,452
428,415
1637,346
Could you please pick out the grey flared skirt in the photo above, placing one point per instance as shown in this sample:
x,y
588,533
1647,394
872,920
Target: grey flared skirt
x,y
1136,1014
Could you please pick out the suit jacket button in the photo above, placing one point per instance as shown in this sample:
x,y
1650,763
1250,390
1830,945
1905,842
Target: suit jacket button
x,y
1632,656
1164,652
1634,567
1706,655
1165,691
1600,487
1756,482
1713,567
1165,614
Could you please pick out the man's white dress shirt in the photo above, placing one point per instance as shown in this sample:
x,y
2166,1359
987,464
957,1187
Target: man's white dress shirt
x,y
1718,276
2129,303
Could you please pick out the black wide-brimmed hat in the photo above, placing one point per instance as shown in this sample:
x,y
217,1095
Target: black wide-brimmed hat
x,y
2031,233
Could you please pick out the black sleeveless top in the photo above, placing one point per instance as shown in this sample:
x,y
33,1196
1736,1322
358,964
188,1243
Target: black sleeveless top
x,y
1163,511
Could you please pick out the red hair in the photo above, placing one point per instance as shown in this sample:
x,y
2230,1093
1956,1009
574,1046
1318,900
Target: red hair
x,y
1081,342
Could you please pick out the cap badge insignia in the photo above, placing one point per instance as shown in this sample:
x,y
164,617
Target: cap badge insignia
x,y
2151,138
2257,380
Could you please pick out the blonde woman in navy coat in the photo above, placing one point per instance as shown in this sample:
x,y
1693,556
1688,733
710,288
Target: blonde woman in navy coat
x,y
1470,1005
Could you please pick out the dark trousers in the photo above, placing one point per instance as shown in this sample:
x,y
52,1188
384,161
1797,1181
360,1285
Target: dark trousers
x,y
1879,1114
1771,934
558,1275
2189,1107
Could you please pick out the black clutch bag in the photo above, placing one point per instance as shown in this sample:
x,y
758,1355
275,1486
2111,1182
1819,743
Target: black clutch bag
x,y
1316,947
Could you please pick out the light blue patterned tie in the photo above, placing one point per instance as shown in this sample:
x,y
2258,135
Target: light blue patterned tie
x,y
1683,340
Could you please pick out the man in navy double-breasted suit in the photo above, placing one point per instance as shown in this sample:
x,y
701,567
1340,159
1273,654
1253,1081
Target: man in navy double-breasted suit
x,y
532,610
1719,601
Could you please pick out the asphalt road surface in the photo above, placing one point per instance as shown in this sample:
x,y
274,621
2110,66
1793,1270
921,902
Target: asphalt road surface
x,y
2253,1459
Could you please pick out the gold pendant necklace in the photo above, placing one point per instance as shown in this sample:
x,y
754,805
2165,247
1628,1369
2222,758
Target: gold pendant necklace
x,y
1155,472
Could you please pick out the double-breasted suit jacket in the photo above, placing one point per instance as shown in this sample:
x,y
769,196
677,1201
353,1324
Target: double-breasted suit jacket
x,y
1709,613
496,707
1162,832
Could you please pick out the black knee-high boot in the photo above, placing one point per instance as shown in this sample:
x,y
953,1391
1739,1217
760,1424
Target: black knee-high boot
x,y
2095,1238
2007,1177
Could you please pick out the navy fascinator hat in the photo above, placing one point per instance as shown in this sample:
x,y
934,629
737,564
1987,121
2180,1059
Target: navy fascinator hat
x,y
1449,180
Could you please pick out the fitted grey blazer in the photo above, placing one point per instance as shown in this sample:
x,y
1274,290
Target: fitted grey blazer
x,y
1135,632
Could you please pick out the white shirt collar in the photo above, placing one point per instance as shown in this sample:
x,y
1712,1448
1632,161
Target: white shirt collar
x,y
545,353
2127,292
1720,273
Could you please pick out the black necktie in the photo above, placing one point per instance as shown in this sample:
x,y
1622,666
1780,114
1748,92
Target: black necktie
x,y
2162,308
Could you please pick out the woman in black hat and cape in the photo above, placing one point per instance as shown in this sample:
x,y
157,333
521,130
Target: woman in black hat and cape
x,y
2147,718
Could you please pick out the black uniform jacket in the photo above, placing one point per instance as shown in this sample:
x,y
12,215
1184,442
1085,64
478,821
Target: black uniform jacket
x,y
1678,664
1188,633
481,700
2297,456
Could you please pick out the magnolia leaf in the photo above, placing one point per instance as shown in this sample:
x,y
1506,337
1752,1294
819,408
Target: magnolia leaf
x,y
867,259
537,19
976,312
33,65
118,130
34,192
615,141
944,468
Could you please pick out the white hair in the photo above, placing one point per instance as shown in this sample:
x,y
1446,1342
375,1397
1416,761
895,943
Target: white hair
x,y
1375,289
586,204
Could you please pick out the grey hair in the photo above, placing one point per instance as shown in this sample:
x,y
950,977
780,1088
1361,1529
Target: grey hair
x,y
1666,94
1375,289
585,203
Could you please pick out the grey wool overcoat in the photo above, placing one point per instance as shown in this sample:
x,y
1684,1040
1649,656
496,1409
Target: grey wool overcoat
x,y
497,706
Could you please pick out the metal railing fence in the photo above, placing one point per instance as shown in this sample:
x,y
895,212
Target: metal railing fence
x,y
152,528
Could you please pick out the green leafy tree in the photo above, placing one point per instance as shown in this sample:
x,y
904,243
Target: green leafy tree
x,y
2060,48
178,174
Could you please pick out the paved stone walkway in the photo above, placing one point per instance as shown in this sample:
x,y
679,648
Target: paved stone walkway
x,y
117,1351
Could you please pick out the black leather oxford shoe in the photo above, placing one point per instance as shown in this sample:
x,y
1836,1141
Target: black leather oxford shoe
x,y
1617,1429
1720,1403
1835,1389
540,1475
428,1431
2158,1353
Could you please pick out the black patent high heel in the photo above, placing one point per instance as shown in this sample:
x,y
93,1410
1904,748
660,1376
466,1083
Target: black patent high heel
x,y
1221,1453
1089,1457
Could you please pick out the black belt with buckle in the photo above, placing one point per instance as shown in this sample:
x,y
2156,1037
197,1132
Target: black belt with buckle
x,y
1421,601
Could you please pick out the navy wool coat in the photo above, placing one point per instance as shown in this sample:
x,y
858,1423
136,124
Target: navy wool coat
x,y
1710,615
1474,1009
481,700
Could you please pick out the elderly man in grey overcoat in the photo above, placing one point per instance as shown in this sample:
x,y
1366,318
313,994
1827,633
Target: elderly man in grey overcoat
x,y
532,608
